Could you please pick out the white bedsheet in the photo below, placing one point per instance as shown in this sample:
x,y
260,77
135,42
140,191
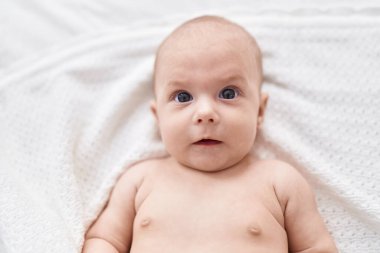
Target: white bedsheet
x,y
75,86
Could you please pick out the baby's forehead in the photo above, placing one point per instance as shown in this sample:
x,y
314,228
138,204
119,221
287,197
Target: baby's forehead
x,y
205,32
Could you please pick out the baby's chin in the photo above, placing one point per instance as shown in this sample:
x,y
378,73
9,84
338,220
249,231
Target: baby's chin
x,y
211,165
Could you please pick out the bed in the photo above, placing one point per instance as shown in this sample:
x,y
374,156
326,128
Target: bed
x,y
75,86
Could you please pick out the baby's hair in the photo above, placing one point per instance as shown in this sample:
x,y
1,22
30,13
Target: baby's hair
x,y
192,28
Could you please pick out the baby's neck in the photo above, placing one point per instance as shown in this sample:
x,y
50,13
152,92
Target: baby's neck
x,y
242,164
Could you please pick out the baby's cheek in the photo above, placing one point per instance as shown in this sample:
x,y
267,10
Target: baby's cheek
x,y
172,134
245,131
245,122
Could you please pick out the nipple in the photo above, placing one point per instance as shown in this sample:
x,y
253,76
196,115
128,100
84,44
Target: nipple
x,y
145,222
254,230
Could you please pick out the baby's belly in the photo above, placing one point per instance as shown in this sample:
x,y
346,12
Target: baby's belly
x,y
227,246
213,244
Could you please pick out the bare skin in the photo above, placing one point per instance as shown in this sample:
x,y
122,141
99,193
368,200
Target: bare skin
x,y
209,194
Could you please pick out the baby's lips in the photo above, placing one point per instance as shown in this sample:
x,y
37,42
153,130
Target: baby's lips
x,y
207,142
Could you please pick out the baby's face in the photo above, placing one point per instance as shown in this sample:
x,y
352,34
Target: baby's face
x,y
208,105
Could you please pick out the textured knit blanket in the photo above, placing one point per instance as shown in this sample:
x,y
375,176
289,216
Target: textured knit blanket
x,y
76,116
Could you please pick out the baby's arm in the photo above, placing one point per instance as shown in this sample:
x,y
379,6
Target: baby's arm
x,y
305,228
112,231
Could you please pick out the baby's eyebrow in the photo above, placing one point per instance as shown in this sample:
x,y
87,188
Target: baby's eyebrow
x,y
176,83
234,78
229,79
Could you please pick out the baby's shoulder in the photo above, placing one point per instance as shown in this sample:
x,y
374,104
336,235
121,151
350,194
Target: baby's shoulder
x,y
277,169
287,175
137,172
284,177
287,181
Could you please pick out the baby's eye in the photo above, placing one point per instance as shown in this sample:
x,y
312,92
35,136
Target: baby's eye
x,y
183,97
228,93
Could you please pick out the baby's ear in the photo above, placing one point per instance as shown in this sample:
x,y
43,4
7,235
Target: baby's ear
x,y
153,109
263,105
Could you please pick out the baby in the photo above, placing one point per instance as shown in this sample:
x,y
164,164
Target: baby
x,y
210,194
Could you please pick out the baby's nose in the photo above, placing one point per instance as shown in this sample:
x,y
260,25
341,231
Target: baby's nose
x,y
206,113
205,120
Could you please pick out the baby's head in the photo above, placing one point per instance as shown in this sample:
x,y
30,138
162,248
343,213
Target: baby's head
x,y
208,101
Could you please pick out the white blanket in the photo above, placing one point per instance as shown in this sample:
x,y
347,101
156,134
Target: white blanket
x,y
75,115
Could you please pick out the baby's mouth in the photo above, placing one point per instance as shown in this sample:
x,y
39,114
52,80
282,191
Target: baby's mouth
x,y
207,142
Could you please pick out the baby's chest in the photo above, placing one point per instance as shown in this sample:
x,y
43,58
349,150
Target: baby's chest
x,y
219,210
